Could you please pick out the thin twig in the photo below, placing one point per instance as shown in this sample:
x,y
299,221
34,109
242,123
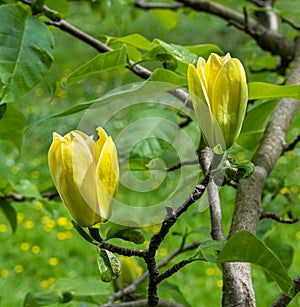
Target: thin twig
x,y
283,299
184,163
156,5
144,303
174,269
20,198
277,218
132,288
292,145
290,23
158,237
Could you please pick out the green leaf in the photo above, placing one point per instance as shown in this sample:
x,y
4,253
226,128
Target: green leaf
x,y
165,75
283,250
261,90
207,250
128,233
236,169
255,123
204,50
37,6
102,62
167,17
246,247
27,189
109,265
174,57
82,287
12,126
10,213
41,299
136,40
174,291
25,53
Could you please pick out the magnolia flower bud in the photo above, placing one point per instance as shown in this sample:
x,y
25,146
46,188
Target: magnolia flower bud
x,y
85,174
220,83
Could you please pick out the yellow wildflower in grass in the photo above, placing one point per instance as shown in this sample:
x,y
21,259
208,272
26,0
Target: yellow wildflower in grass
x,y
19,268
64,235
36,249
53,261
3,228
219,94
29,224
35,174
163,252
4,273
62,221
47,282
85,174
24,246
20,217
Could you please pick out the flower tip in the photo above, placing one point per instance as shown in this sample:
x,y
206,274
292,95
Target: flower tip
x,y
56,136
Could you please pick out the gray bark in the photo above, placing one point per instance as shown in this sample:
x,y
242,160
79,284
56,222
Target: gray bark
x,y
238,289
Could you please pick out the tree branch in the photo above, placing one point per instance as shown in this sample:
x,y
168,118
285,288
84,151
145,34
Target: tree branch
x,y
21,198
293,144
205,157
156,5
131,288
237,279
158,237
181,164
144,303
283,300
274,216
267,39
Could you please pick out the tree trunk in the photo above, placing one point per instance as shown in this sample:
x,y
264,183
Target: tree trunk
x,y
237,282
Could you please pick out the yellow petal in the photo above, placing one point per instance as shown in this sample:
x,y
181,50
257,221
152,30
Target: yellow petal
x,y
211,70
89,140
229,101
60,158
100,142
84,169
107,177
196,86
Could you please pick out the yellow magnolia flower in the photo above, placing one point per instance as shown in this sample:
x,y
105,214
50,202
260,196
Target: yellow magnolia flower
x,y
220,83
85,174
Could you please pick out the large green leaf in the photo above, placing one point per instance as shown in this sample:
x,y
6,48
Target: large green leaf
x,y
261,90
173,56
25,51
136,40
246,247
174,292
165,75
12,126
102,62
